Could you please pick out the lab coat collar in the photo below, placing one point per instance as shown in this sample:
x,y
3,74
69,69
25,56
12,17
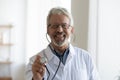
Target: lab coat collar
x,y
49,54
71,53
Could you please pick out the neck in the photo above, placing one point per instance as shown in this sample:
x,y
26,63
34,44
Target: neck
x,y
60,49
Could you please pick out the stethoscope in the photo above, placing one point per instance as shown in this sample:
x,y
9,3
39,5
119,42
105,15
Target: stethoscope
x,y
58,65
44,60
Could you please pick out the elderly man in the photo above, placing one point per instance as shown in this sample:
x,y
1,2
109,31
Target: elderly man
x,y
60,60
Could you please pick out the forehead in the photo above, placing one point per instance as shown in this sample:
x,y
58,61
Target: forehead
x,y
59,18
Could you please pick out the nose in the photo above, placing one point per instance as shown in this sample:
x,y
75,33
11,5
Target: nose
x,y
59,28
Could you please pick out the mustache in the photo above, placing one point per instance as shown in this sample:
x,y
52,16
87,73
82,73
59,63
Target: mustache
x,y
59,33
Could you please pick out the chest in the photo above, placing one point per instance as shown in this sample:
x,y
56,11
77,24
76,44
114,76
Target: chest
x,y
75,69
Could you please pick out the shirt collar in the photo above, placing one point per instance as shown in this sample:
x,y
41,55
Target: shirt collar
x,y
62,57
49,54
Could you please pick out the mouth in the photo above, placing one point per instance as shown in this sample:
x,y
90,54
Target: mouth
x,y
59,37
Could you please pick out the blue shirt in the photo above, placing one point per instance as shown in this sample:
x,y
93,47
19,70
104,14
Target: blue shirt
x,y
62,57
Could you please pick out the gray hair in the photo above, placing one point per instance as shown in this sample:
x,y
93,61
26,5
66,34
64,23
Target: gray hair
x,y
59,10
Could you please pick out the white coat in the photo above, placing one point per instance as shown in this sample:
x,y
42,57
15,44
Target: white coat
x,y
79,65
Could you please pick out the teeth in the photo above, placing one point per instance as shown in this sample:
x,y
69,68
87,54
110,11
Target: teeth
x,y
59,36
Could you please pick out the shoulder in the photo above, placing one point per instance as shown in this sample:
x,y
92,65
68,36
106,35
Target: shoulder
x,y
85,56
82,53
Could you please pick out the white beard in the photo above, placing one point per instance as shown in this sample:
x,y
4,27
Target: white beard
x,y
61,43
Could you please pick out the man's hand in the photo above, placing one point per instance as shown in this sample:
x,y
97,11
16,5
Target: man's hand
x,y
38,69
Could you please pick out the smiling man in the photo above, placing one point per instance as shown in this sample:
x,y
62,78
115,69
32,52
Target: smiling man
x,y
62,61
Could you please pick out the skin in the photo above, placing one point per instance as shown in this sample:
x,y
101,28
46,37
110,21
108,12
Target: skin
x,y
38,69
59,41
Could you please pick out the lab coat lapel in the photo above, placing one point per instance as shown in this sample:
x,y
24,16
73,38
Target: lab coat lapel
x,y
71,53
49,54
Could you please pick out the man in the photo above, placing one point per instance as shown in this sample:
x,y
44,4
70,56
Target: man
x,y
64,62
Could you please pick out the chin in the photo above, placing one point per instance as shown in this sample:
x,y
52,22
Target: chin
x,y
60,44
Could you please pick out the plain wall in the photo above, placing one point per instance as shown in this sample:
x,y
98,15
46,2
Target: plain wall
x,y
109,39
80,9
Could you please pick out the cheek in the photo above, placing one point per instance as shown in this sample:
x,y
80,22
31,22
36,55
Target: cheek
x,y
50,32
68,32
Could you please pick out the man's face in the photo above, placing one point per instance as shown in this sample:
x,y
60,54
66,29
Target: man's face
x,y
59,29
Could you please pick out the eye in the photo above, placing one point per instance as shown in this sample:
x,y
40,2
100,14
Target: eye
x,y
64,26
55,26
